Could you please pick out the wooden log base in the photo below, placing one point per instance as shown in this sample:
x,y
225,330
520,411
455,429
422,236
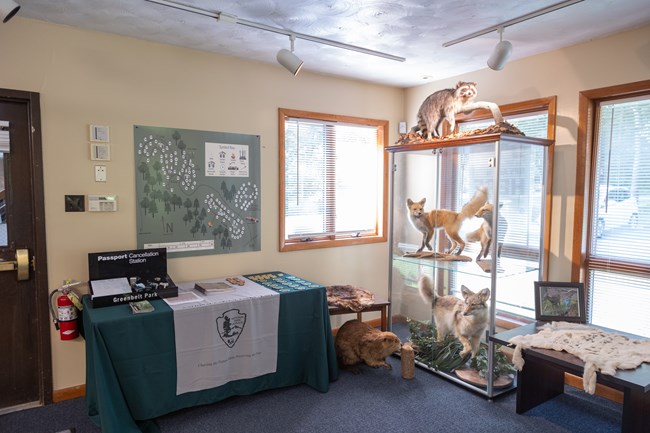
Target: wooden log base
x,y
470,375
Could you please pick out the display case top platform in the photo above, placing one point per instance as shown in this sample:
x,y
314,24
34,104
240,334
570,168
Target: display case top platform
x,y
468,140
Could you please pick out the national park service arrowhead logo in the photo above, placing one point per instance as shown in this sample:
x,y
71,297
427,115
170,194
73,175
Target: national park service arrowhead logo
x,y
230,326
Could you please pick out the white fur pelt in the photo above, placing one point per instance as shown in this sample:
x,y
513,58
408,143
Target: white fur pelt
x,y
601,351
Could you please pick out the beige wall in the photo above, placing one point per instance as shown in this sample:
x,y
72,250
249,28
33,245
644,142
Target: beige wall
x,y
619,59
93,78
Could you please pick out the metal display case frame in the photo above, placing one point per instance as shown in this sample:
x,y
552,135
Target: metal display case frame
x,y
449,171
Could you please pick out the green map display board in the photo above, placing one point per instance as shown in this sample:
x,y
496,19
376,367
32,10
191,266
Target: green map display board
x,y
198,192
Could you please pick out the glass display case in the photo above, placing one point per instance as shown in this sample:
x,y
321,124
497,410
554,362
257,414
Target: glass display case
x,y
503,179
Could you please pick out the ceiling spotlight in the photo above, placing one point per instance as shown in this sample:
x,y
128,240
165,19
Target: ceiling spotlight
x,y
8,8
289,60
501,53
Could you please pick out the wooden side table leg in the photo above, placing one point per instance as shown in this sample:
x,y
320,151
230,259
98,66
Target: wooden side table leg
x,y
359,316
537,382
636,411
384,318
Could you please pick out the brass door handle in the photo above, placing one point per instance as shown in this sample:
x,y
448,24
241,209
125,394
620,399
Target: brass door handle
x,y
21,264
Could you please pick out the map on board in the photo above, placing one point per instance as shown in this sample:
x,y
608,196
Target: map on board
x,y
198,192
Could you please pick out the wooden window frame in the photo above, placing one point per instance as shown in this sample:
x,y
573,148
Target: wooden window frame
x,y
588,101
339,240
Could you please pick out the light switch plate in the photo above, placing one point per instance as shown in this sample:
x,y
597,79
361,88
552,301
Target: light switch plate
x,y
99,133
100,173
100,151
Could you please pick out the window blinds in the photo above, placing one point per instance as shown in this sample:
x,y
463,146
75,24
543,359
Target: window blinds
x,y
617,257
331,178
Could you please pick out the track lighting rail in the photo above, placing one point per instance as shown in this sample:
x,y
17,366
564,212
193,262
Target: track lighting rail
x,y
511,22
221,16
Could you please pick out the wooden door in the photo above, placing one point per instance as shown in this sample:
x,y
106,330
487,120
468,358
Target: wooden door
x,y
25,357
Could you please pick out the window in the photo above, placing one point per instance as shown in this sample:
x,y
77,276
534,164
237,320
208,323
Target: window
x,y
521,187
333,180
612,260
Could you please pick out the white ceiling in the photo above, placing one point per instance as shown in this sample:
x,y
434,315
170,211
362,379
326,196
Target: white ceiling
x,y
414,29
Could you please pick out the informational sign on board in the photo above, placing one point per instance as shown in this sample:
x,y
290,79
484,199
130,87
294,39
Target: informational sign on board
x,y
198,192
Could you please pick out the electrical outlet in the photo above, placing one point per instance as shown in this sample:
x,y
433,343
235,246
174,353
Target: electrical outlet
x,y
100,173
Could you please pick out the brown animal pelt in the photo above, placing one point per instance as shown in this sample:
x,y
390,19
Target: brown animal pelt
x,y
352,298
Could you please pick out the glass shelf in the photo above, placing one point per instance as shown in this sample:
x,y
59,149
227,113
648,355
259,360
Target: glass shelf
x,y
506,267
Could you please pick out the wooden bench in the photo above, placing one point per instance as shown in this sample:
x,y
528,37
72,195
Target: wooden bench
x,y
542,378
379,305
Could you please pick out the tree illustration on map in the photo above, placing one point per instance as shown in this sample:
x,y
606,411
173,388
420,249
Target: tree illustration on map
x,y
195,191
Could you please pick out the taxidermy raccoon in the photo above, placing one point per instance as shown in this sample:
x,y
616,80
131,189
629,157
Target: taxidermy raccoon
x,y
443,105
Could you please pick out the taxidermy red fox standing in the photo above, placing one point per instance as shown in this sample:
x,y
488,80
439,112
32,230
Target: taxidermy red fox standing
x,y
465,318
450,221
484,232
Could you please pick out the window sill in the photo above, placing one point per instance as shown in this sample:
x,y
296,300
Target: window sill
x,y
329,243
508,321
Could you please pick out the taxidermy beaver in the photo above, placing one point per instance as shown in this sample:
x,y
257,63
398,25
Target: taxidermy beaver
x,y
359,342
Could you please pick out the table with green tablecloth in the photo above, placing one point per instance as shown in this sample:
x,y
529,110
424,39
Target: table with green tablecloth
x,y
131,361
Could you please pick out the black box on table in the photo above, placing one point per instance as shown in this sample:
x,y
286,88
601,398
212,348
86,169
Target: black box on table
x,y
145,272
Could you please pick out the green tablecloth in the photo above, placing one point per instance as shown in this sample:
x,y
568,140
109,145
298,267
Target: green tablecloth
x,y
131,361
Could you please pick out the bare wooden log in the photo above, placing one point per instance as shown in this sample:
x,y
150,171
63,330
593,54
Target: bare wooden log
x,y
408,361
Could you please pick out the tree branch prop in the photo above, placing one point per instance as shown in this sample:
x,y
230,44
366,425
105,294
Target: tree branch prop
x,y
494,109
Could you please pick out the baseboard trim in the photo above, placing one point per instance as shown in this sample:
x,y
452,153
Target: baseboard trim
x,y
68,393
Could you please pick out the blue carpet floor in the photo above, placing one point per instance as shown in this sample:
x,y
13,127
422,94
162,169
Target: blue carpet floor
x,y
377,400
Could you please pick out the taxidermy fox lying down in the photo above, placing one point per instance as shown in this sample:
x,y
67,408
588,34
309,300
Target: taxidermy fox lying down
x,y
465,318
450,221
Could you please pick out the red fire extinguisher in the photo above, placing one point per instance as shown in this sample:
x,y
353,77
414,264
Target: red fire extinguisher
x,y
68,305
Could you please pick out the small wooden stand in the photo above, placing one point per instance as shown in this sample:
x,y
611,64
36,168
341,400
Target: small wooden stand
x,y
379,305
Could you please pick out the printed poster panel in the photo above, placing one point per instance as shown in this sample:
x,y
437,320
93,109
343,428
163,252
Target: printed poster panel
x,y
198,192
226,160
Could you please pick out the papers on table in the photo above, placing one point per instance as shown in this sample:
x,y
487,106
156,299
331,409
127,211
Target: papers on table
x,y
110,287
183,298
212,288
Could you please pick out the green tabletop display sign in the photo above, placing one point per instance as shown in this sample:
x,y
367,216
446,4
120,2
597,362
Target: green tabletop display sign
x,y
198,192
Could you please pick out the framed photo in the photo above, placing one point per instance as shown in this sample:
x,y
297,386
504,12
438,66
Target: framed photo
x,y
560,301
100,151
99,133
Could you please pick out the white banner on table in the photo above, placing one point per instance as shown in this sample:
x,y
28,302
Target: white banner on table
x,y
229,335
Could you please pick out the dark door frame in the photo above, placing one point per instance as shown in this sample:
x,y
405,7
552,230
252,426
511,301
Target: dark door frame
x,y
42,320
